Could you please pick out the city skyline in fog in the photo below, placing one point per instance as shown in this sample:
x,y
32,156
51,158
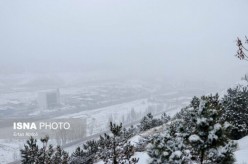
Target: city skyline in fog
x,y
191,39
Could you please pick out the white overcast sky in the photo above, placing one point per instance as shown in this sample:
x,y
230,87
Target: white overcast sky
x,y
191,38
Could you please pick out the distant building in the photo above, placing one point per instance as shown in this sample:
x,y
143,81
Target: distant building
x,y
49,99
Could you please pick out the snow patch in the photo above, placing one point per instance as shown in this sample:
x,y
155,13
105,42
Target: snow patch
x,y
241,153
194,138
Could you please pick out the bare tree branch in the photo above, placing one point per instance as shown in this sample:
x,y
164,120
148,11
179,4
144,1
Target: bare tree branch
x,y
241,49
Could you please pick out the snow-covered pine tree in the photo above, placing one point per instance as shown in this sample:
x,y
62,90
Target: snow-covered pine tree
x,y
165,118
78,152
104,141
91,147
127,153
87,154
126,134
149,122
236,111
60,156
129,132
186,115
146,122
169,146
180,114
45,153
77,156
30,151
32,154
208,136
114,148
198,136
116,131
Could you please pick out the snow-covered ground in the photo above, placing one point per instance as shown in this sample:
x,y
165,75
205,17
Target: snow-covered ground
x,y
142,156
242,153
9,151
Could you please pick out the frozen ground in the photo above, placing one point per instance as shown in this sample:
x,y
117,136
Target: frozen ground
x,y
9,151
142,156
242,152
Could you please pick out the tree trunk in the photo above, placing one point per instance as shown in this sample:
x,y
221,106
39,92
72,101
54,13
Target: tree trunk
x,y
115,155
202,156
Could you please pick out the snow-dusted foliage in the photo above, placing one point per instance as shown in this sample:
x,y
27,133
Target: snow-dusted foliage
x,y
129,132
235,104
86,154
149,122
115,149
169,147
46,155
198,136
208,136
111,148
143,143
165,118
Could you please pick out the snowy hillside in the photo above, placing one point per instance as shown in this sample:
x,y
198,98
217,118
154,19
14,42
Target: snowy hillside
x,y
240,155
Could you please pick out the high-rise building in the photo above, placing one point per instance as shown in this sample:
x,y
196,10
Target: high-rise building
x,y
49,99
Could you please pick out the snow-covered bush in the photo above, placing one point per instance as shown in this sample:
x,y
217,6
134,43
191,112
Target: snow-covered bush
x,y
149,122
235,104
169,147
198,136
208,136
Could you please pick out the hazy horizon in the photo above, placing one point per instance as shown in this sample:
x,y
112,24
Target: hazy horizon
x,y
187,39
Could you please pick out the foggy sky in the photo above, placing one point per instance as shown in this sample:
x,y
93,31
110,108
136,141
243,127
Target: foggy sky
x,y
187,38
